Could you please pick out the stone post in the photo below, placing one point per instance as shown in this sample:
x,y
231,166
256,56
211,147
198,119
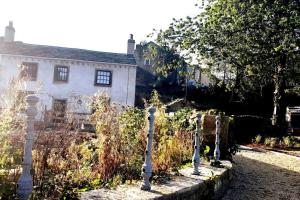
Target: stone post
x,y
25,184
147,166
196,156
217,141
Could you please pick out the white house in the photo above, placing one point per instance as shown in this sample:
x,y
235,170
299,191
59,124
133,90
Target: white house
x,y
63,75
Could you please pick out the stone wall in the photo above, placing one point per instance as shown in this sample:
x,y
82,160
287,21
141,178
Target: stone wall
x,y
209,130
210,184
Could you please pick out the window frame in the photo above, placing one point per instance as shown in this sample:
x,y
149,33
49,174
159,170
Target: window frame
x,y
103,84
147,62
62,101
59,116
24,72
55,77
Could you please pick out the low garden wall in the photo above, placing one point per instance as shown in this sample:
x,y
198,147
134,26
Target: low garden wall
x,y
210,184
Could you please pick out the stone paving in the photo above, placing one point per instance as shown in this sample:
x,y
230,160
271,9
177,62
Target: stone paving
x,y
264,175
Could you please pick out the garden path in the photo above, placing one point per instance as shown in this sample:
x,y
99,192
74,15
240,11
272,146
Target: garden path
x,y
264,175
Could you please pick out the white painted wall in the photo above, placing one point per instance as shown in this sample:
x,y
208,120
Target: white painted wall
x,y
81,81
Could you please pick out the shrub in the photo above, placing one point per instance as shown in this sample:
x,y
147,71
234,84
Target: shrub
x,y
67,162
258,139
172,139
272,142
12,103
267,141
61,163
287,141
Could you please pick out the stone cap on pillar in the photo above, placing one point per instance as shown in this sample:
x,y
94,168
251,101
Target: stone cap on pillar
x,y
152,109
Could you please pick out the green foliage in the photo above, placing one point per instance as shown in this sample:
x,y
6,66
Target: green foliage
x,y
181,119
287,141
251,43
290,142
171,141
258,139
132,125
12,103
267,141
7,185
186,165
206,150
154,100
66,162
271,141
166,60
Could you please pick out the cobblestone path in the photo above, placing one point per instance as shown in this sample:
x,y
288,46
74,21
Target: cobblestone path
x,y
264,175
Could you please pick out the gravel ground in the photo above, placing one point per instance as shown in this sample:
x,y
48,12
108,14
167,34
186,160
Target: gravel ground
x,y
264,175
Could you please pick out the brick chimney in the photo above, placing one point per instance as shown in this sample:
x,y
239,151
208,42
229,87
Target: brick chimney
x,y
130,45
9,33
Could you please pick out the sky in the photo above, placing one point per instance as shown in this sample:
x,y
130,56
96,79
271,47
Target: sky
x,y
101,25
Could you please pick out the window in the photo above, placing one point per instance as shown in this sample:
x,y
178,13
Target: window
x,y
147,62
61,73
29,71
103,78
59,110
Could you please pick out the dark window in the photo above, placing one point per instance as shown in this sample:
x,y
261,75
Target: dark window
x,y
59,110
29,71
61,73
103,78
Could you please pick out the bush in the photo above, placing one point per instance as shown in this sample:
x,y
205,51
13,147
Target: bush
x,y
272,142
61,163
267,141
12,103
257,139
287,141
67,162
172,138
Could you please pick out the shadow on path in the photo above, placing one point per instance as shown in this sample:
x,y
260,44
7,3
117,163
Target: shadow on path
x,y
254,178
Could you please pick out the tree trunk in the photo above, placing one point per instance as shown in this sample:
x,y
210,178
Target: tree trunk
x,y
278,119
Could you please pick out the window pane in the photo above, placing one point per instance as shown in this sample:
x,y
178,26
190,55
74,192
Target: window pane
x,y
103,77
29,71
61,73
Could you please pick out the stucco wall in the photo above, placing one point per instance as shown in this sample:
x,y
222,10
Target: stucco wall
x,y
80,82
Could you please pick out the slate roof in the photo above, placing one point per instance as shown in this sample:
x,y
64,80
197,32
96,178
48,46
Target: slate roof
x,y
19,48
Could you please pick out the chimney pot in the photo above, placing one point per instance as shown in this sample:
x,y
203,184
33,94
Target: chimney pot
x,y
130,45
9,35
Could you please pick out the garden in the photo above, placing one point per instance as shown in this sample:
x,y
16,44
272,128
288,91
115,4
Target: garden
x,y
67,161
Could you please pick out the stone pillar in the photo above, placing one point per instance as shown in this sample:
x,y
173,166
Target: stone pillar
x,y
196,156
147,166
25,184
217,141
